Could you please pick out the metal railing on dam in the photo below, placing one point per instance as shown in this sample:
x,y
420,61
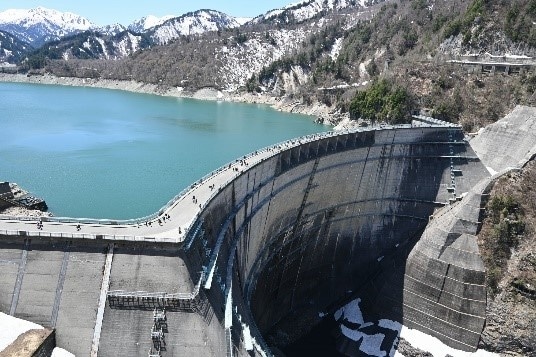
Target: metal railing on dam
x,y
128,229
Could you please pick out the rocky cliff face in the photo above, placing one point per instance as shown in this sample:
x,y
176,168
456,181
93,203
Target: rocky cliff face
x,y
507,242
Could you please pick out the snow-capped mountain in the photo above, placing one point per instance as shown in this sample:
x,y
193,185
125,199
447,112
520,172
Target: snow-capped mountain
x,y
11,48
308,9
147,22
111,30
39,25
196,22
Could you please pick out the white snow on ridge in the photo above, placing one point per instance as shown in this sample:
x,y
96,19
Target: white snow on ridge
x,y
113,29
66,20
243,20
152,21
307,9
195,23
147,22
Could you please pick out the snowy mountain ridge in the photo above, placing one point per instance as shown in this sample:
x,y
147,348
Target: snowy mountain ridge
x,y
148,22
192,23
305,10
39,25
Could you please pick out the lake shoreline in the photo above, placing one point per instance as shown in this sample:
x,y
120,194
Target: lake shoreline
x,y
324,114
60,139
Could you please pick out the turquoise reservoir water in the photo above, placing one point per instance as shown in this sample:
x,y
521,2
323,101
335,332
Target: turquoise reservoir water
x,y
101,153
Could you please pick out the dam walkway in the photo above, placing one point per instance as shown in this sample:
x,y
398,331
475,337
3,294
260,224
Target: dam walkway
x,y
169,225
172,222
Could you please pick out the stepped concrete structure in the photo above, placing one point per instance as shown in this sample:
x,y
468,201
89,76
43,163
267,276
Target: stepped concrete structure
x,y
242,262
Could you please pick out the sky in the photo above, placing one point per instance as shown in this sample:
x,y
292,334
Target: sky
x,y
103,12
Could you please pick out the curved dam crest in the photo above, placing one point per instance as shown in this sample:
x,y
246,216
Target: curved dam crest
x,y
268,243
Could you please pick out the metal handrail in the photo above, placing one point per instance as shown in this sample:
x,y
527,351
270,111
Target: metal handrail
x,y
275,149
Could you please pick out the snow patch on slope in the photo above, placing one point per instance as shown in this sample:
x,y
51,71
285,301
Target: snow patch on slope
x,y
336,49
240,62
369,336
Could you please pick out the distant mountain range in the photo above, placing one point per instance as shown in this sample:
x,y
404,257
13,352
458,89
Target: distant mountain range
x,y
40,25
32,29
44,34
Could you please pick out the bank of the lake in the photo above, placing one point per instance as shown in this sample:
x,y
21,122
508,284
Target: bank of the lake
x,y
321,112
98,153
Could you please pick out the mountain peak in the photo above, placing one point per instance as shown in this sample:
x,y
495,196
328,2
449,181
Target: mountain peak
x,y
41,24
147,22
196,22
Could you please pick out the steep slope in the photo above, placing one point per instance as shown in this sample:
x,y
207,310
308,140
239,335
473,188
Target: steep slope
x,y
409,44
89,45
224,59
507,243
39,25
11,48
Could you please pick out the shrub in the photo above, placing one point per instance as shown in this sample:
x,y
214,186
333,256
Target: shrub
x,y
382,101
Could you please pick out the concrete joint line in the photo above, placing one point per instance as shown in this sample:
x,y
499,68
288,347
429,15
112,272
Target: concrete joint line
x,y
444,321
59,289
102,300
20,276
442,305
446,292
439,333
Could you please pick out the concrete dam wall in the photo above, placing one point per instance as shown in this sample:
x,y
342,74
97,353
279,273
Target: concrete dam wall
x,y
297,233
